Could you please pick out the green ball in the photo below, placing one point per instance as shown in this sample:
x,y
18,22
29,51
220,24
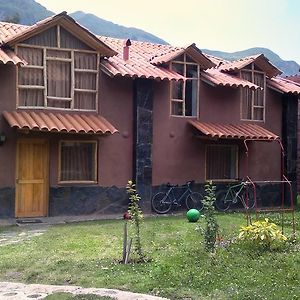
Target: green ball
x,y
193,215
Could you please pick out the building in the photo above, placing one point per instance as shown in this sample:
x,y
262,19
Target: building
x,y
80,115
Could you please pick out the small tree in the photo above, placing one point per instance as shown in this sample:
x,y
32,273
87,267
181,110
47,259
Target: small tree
x,y
211,226
136,215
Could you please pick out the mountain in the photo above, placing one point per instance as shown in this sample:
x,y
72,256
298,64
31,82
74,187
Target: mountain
x,y
288,67
25,12
102,27
29,12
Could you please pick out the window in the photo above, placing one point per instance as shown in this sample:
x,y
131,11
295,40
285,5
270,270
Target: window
x,y
253,101
57,77
184,94
78,161
221,162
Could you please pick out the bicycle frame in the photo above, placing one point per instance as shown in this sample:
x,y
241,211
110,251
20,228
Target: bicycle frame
x,y
233,193
182,196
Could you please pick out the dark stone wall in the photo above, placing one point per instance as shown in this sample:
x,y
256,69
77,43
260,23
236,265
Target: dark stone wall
x,y
289,137
87,200
7,202
143,139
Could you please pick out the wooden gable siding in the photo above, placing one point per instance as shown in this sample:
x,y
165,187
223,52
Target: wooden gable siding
x,y
57,37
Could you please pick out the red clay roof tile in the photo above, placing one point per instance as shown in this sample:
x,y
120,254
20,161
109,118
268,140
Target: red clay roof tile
x,y
9,57
59,122
283,85
215,77
260,60
234,131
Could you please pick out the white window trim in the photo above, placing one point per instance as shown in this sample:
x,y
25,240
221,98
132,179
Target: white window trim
x,y
185,63
253,71
95,159
73,71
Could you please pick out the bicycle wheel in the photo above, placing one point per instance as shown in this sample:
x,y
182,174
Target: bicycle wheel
x,y
161,203
194,200
221,202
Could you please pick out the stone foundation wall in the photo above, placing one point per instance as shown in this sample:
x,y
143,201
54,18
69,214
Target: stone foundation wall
x,y
7,202
87,200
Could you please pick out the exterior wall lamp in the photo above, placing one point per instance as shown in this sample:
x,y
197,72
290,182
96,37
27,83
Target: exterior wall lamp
x,y
2,138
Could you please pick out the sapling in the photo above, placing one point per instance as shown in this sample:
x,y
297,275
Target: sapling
x,y
136,215
211,226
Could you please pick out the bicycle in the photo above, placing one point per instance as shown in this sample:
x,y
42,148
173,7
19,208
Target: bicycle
x,y
162,202
242,191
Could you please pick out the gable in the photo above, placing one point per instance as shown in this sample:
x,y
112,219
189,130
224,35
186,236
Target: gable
x,y
57,37
46,32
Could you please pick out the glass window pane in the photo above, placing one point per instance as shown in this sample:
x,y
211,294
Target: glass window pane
x,y
85,101
27,76
32,55
258,113
191,71
189,59
85,61
31,97
59,79
179,68
177,108
77,161
85,80
177,89
58,53
191,97
221,162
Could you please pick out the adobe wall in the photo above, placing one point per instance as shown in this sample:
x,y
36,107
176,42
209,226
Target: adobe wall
x,y
114,153
178,156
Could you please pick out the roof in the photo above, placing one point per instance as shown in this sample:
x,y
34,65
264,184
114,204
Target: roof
x,y
12,33
9,57
234,131
138,65
191,50
295,78
216,77
58,122
283,85
260,60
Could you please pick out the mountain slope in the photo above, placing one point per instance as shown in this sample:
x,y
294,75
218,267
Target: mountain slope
x,y
287,67
25,12
102,27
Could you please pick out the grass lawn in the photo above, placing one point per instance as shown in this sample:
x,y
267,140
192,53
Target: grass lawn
x,y
68,296
88,254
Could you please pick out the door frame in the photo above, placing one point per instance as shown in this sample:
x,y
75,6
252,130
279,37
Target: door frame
x,y
46,193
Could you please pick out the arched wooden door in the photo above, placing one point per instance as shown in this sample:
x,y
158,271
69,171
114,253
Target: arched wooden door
x,y
32,170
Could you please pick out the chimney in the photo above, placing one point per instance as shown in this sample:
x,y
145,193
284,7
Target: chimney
x,y
126,49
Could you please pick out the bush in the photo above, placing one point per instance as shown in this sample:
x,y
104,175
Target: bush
x,y
262,234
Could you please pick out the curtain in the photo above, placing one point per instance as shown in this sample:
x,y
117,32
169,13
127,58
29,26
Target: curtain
x,y
221,162
78,161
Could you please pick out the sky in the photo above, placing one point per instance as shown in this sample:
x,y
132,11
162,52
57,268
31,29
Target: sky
x,y
225,25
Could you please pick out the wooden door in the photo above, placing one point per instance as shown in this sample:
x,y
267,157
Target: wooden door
x,y
32,178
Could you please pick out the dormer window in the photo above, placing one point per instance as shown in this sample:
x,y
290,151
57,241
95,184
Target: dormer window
x,y
62,72
253,101
185,94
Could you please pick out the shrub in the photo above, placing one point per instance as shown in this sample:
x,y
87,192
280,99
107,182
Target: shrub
x,y
262,234
211,226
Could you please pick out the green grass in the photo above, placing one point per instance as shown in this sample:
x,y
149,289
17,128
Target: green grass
x,y
68,296
88,254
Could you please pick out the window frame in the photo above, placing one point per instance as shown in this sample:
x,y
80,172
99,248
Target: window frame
x,y
253,71
185,62
74,70
232,146
95,142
